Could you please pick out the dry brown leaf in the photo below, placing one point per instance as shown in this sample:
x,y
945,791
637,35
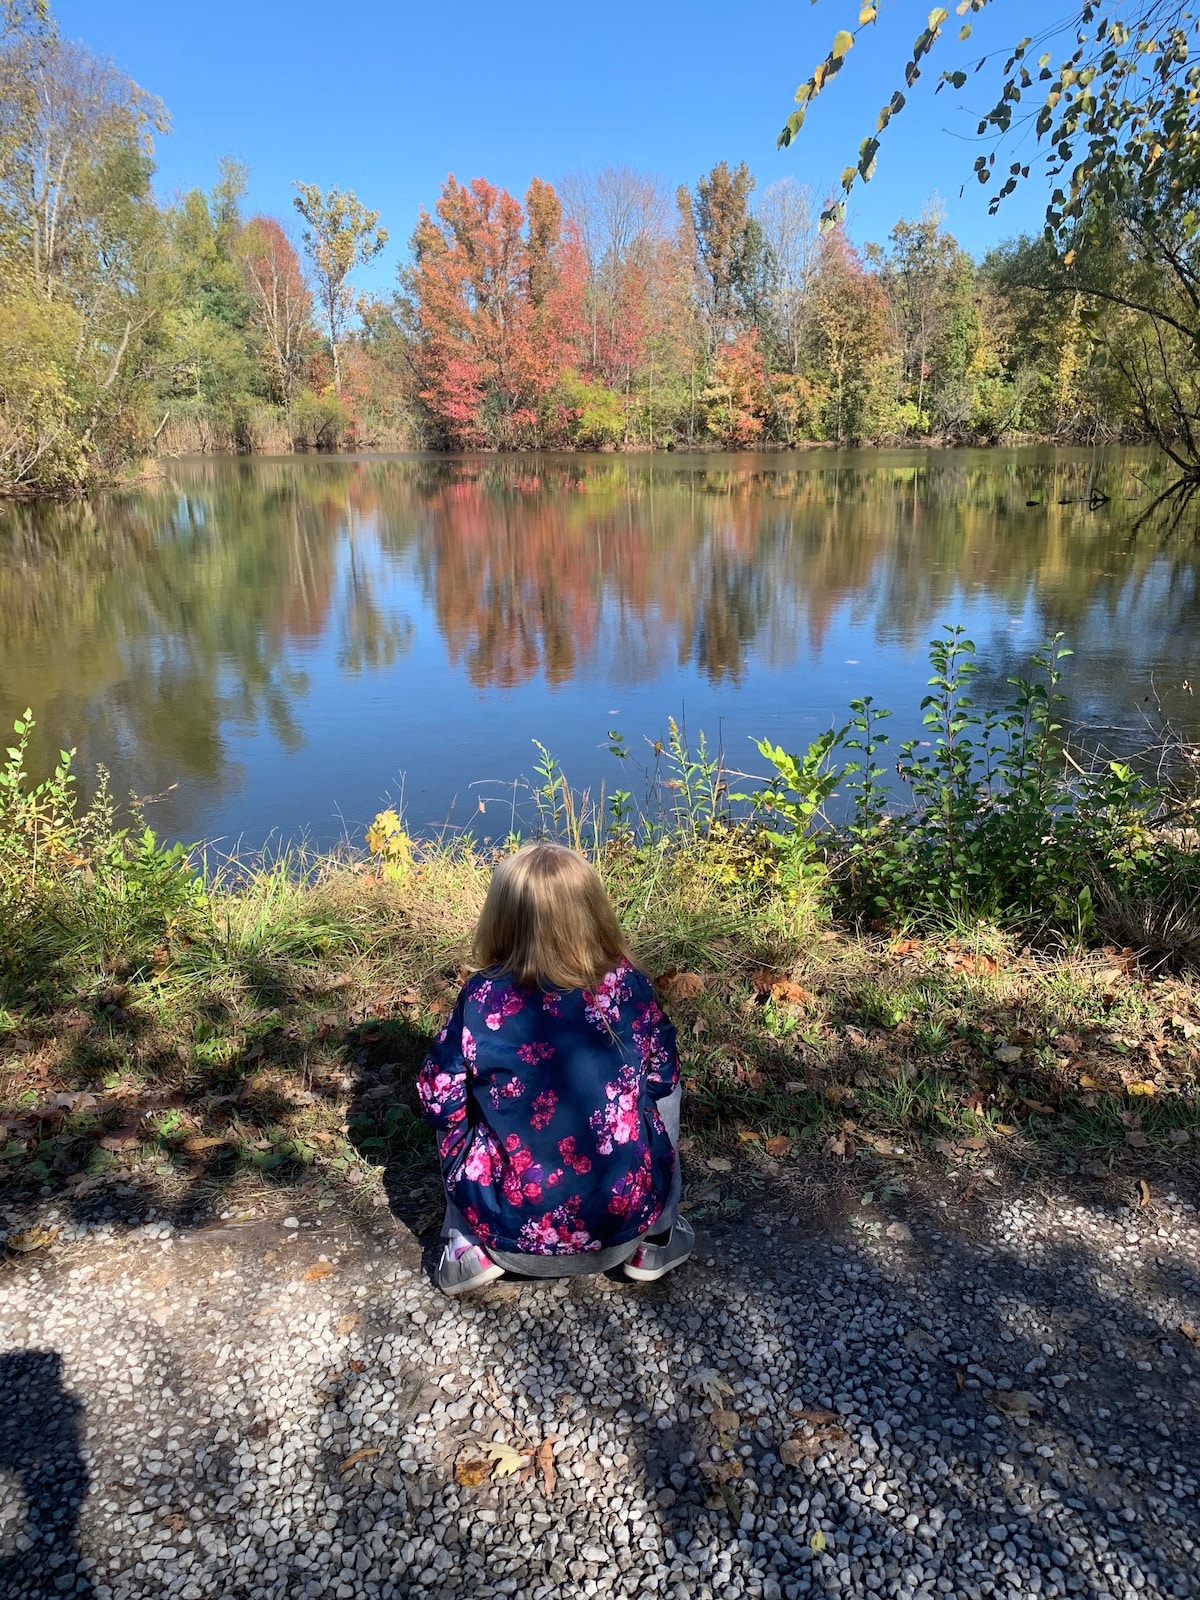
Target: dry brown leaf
x,y
763,980
1007,1054
748,1135
545,1462
920,1339
353,1459
719,1164
680,985
720,1471
1086,1082
358,1366
787,993
1191,1333
471,1469
975,1142
1143,1193
725,1421
120,1138
32,1239
779,1146
347,1325
319,1270
1138,1140
815,1417
201,1142
1141,1086
1016,1402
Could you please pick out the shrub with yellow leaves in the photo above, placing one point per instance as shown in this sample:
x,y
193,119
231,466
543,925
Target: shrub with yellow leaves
x,y
388,840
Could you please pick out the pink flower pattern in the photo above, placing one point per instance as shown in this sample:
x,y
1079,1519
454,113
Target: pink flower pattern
x,y
548,1130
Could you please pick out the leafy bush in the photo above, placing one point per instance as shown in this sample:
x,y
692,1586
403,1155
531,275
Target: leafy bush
x,y
77,891
1001,824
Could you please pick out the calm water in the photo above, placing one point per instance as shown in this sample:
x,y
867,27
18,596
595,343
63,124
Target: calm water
x,y
279,647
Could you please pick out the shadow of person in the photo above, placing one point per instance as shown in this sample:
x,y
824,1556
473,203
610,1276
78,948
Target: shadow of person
x,y
41,1458
386,1126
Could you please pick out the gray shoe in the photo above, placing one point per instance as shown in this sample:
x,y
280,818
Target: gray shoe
x,y
652,1261
461,1274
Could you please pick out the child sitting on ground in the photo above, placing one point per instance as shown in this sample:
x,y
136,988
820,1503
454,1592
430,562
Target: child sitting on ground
x,y
554,1089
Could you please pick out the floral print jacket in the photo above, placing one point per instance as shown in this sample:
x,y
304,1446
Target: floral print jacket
x,y
545,1106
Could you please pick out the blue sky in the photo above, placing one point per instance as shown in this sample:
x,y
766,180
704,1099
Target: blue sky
x,y
388,98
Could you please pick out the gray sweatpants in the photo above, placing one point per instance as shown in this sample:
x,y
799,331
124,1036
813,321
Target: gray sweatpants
x,y
533,1266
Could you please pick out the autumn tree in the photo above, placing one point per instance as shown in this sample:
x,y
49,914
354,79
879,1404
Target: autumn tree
x,y
340,235
282,302
496,294
849,341
722,214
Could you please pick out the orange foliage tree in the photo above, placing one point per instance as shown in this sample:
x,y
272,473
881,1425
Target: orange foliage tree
x,y
497,293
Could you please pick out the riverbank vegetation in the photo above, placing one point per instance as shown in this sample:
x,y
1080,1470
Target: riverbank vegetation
x,y
992,965
625,316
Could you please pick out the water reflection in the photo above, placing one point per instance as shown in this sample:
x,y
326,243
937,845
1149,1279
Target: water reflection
x,y
238,623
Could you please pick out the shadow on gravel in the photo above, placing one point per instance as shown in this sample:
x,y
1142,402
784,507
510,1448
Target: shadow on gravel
x,y
47,1479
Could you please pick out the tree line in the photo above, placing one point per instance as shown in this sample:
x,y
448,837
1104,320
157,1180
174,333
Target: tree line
x,y
605,312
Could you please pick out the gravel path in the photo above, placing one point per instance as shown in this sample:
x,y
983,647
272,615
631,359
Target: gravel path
x,y
1001,1404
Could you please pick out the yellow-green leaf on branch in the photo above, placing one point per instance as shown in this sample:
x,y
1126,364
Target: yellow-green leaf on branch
x,y
843,40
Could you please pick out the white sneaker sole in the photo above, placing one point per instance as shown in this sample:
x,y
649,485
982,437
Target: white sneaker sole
x,y
488,1275
652,1274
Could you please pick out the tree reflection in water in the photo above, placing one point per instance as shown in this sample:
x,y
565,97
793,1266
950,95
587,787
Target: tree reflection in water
x,y
156,629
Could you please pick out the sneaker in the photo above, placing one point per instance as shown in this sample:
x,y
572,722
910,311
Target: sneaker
x,y
652,1261
471,1269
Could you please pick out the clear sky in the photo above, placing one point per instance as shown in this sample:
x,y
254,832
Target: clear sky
x,y
387,97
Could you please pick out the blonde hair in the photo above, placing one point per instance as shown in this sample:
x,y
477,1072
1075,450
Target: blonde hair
x,y
548,920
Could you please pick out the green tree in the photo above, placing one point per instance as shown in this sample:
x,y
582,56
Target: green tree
x,y
341,234
79,238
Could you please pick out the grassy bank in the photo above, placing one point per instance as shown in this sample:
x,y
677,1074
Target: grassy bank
x,y
995,973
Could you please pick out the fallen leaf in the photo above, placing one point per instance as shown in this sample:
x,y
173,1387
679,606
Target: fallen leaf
x,y
791,994
748,1135
763,980
319,1270
1003,1127
680,985
906,947
1143,1192
945,1148
920,1339
795,1452
32,1239
1178,1136
471,1469
899,1231
1142,1086
1016,1402
815,1417
975,1142
720,1471
883,1146
358,1366
505,1460
725,1421
1138,1140
1191,1333
545,1461
347,1325
817,1542
778,1146
1086,1082
1009,1053
194,1145
120,1138
719,1164
709,1383
353,1459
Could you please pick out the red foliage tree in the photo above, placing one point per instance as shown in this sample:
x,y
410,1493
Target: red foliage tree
x,y
282,302
497,293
